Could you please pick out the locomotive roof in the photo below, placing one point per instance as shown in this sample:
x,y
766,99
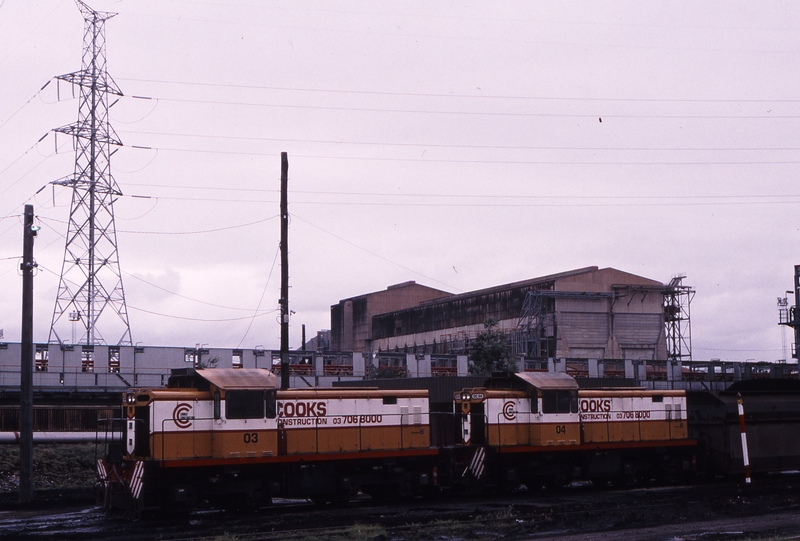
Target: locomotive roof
x,y
225,378
548,380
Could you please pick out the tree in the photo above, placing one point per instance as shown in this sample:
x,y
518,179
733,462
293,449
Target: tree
x,y
490,352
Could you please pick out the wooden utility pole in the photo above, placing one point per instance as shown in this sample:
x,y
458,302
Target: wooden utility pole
x,y
26,363
284,301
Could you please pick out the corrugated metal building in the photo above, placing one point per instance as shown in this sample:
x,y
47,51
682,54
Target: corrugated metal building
x,y
584,313
351,319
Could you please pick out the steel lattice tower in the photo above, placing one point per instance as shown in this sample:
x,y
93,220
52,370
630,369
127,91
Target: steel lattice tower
x,y
90,294
677,319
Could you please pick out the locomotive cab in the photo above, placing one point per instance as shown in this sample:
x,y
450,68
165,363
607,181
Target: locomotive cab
x,y
527,409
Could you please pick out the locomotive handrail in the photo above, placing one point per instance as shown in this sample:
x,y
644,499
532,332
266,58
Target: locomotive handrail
x,y
175,422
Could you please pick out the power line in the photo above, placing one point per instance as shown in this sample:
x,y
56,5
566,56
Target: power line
x,y
183,232
263,292
516,114
6,121
192,299
487,147
463,96
491,162
468,196
198,319
22,156
373,253
177,295
747,200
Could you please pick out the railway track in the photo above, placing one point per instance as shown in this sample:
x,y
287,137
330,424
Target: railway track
x,y
580,510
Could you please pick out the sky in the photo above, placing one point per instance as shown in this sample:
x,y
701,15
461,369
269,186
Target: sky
x,y
461,146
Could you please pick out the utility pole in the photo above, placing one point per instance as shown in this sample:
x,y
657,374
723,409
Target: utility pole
x,y
284,301
26,362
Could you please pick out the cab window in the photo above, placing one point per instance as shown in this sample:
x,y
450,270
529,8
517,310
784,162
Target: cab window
x,y
560,401
272,404
244,404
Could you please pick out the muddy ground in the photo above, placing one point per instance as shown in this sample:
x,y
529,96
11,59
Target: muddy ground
x,y
770,509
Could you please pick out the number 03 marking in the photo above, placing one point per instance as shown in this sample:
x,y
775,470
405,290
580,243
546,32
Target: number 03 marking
x,y
251,437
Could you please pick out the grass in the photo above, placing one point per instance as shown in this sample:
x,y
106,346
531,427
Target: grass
x,y
54,466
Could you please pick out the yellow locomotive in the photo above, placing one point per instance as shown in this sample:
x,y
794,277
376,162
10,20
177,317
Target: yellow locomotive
x,y
232,435
549,431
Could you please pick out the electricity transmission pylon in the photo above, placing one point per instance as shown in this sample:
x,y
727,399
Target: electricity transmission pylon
x,y
90,296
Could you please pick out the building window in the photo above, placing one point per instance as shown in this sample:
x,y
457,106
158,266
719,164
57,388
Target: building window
x,y
87,359
113,359
190,356
41,358
237,358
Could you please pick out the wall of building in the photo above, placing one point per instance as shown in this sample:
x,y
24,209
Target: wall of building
x,y
71,368
352,319
610,314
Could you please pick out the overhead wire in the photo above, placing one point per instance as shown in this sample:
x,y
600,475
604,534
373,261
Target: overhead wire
x,y
370,252
199,319
24,104
190,298
465,146
42,138
44,221
171,316
518,114
226,228
464,96
659,201
466,196
261,299
473,161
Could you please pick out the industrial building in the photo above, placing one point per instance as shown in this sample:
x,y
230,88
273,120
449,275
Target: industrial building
x,y
351,319
587,313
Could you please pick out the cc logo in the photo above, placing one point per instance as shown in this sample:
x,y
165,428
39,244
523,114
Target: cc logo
x,y
509,412
181,415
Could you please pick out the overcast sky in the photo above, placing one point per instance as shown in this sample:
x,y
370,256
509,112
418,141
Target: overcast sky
x,y
460,146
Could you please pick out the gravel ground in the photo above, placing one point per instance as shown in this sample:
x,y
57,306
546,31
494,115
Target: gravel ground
x,y
768,510
726,510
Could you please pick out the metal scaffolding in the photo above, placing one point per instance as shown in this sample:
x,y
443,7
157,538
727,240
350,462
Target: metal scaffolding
x,y
90,303
788,315
677,321
535,335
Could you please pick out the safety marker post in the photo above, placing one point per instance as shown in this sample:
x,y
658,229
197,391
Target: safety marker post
x,y
744,439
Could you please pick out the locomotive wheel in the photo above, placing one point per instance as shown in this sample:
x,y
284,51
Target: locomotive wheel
x,y
600,482
383,493
557,482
